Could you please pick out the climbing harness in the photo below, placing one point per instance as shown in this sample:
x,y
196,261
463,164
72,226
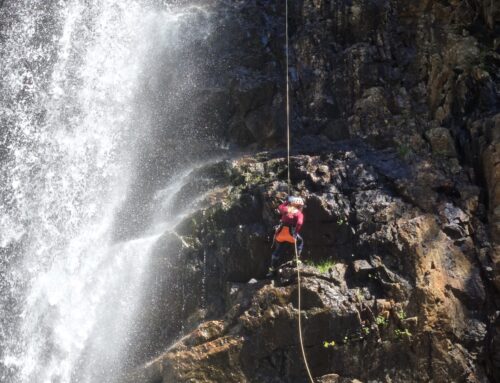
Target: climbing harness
x,y
301,339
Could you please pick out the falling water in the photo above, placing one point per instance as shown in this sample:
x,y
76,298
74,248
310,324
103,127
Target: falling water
x,y
76,82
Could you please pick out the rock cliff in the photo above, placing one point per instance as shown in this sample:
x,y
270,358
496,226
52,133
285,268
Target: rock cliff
x,y
403,297
396,145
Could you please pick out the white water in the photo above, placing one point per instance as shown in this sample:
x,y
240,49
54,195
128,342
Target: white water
x,y
72,74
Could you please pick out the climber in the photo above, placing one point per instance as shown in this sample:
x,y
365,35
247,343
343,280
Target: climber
x,y
287,233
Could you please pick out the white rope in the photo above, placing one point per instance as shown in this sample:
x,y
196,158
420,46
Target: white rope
x,y
287,98
299,303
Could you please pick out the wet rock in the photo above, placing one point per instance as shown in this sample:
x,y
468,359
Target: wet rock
x,y
334,378
215,361
362,267
491,164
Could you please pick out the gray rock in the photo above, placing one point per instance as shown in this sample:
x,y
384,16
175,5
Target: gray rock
x,y
441,142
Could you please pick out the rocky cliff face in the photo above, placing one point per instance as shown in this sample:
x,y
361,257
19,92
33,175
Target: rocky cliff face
x,y
396,151
404,296
416,76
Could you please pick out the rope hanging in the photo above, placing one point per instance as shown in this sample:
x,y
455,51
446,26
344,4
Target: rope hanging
x,y
287,98
300,317
301,339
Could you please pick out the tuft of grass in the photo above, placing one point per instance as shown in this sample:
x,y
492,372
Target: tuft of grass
x,y
381,321
401,314
322,266
327,344
405,333
359,295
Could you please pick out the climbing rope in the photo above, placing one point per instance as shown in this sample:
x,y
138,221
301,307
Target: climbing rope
x,y
297,261
304,356
287,98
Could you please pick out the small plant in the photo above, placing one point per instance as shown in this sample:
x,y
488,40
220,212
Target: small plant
x,y
328,344
366,330
401,314
323,266
381,321
359,295
403,151
341,221
402,333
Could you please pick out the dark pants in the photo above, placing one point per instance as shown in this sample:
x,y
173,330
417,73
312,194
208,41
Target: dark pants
x,y
280,249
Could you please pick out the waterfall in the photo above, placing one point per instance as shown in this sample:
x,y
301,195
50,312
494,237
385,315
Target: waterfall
x,y
79,84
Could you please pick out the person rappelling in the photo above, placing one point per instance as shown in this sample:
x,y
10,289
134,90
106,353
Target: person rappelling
x,y
287,232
